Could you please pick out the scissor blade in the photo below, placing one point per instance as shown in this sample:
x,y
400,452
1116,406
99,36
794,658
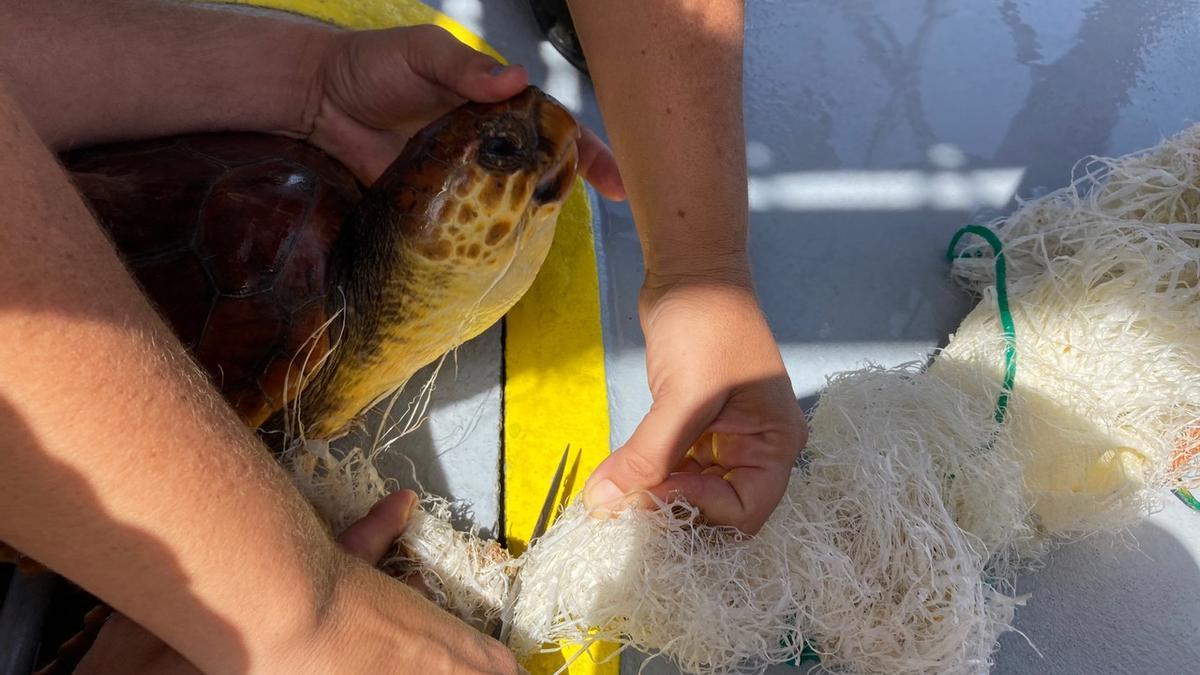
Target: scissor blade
x,y
539,528
543,521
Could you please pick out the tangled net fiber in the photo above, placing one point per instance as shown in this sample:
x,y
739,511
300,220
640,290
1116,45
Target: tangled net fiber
x,y
923,490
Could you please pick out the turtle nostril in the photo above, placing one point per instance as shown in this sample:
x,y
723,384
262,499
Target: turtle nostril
x,y
556,182
553,187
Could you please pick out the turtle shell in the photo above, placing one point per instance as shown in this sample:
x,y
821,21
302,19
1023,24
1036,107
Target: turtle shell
x,y
230,236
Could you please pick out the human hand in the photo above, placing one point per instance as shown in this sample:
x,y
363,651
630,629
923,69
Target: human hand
x,y
374,89
724,429
376,625
388,629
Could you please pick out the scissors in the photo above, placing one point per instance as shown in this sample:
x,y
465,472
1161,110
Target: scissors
x,y
504,630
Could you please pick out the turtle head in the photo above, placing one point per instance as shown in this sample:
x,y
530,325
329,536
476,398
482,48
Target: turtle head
x,y
477,192
516,164
487,233
527,143
444,243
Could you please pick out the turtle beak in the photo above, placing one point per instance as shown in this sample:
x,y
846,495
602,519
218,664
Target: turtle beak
x,y
556,183
560,138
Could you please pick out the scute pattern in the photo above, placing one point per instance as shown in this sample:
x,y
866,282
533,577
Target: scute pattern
x,y
229,235
239,235
184,292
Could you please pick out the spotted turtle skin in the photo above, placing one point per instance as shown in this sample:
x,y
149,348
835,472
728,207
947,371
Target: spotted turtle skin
x,y
229,235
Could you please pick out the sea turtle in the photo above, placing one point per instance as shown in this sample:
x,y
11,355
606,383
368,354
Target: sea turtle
x,y
288,279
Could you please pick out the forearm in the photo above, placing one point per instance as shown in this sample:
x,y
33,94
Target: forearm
x,y
119,466
101,70
668,76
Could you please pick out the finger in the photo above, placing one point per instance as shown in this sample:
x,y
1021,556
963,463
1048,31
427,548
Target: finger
x,y
731,450
656,447
417,583
743,498
598,166
437,56
759,492
688,464
708,491
373,535
702,451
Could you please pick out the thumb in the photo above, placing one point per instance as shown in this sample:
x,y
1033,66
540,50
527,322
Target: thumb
x,y
372,536
651,454
438,57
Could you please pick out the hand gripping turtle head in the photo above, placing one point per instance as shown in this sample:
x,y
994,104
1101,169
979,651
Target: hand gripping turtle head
x,y
294,288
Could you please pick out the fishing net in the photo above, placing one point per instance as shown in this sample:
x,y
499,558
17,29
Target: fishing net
x,y
1066,404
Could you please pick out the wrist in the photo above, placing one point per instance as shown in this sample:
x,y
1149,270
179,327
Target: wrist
x,y
300,105
727,267
158,69
325,610
727,292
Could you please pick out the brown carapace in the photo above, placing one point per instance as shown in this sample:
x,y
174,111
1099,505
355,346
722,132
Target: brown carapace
x,y
306,296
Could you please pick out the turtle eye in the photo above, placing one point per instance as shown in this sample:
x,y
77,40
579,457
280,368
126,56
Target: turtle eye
x,y
499,146
501,152
506,144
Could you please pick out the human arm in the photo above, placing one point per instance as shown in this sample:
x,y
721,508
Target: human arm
x,y
120,466
724,428
123,646
107,70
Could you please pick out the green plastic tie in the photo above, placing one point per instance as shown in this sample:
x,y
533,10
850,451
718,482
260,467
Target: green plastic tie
x,y
1185,495
807,653
1006,320
1010,334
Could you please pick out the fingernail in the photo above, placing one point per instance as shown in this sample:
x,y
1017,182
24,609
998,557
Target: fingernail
x,y
603,494
412,506
497,70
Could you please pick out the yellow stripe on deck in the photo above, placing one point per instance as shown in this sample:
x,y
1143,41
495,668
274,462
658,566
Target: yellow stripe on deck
x,y
554,389
555,395
372,14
